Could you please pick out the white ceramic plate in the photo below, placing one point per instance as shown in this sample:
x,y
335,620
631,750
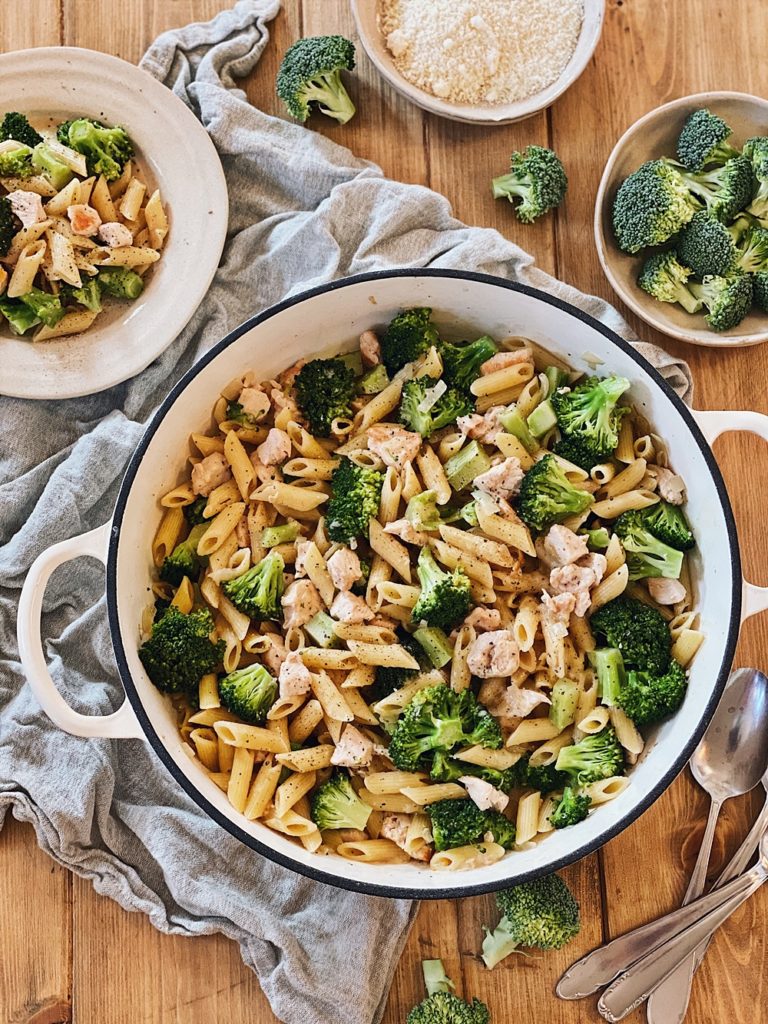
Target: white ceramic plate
x,y
60,82
367,21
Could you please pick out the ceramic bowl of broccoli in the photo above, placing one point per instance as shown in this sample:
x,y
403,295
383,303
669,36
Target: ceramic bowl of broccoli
x,y
681,219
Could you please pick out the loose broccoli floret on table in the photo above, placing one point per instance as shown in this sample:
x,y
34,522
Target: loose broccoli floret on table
x,y
16,162
180,652
15,126
335,804
668,523
440,719
647,556
664,278
410,334
547,496
702,141
537,178
723,190
106,150
596,756
651,206
258,591
727,299
324,390
542,914
184,559
461,363
355,496
421,412
756,151
461,822
443,1007
647,698
248,693
445,596
310,77
120,282
589,414
637,630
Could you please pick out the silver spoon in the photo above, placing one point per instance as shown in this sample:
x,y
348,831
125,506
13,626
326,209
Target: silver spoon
x,y
730,759
687,928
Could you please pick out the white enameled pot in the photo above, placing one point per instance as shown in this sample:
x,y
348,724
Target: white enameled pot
x,y
324,321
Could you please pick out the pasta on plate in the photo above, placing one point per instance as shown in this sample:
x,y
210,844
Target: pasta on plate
x,y
77,225
419,601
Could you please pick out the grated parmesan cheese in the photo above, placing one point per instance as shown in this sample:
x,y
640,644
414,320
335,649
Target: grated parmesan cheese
x,y
481,51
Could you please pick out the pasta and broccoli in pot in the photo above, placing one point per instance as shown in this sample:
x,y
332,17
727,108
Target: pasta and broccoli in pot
x,y
77,225
417,602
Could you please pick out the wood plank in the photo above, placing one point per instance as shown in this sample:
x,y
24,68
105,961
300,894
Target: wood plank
x,y
36,925
33,23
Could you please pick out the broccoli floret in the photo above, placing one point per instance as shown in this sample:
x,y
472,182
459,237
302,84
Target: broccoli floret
x,y
449,769
572,808
728,299
106,150
706,246
355,495
756,151
647,556
588,414
310,76
542,913
374,381
597,756
572,451
409,335
702,141
248,693
422,511
390,679
44,305
445,596
637,630
461,363
335,804
451,404
194,513
324,389
537,178
723,190
49,164
237,414
120,282
184,559
9,225
647,698
461,822
669,524
16,163
258,591
547,496
15,126
752,252
19,316
438,718
443,1007
664,278
651,206
179,651
760,290
88,295
544,777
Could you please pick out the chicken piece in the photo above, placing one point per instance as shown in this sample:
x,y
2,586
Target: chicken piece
x,y
517,702
264,473
483,794
370,349
562,546
275,449
209,473
287,378
27,206
84,219
501,481
295,678
301,602
348,607
483,620
354,749
504,359
275,654
115,235
281,402
254,402
494,654
556,611
665,591
344,567
577,580
395,828
407,532
671,486
393,445
302,550
482,428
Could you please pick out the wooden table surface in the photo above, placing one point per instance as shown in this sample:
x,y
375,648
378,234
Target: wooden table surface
x,y
67,954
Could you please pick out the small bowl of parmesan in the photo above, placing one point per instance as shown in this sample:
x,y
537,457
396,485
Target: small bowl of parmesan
x,y
480,61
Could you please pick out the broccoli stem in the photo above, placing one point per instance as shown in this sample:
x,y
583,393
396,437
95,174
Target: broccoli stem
x,y
514,424
435,643
271,536
435,978
468,463
609,666
330,95
565,698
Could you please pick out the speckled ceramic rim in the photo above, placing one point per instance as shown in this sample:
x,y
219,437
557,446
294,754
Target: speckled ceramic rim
x,y
317,873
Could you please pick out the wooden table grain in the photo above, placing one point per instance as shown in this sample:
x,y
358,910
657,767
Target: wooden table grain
x,y
68,954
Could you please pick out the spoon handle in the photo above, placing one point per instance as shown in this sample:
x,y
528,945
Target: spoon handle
x,y
668,1003
699,874
701,917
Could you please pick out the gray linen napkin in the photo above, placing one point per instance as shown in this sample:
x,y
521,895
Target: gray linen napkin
x,y
108,810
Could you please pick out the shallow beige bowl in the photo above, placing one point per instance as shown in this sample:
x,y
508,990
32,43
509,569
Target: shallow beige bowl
x,y
366,18
655,135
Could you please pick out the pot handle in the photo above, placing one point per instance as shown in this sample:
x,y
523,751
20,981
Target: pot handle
x,y
712,424
122,724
